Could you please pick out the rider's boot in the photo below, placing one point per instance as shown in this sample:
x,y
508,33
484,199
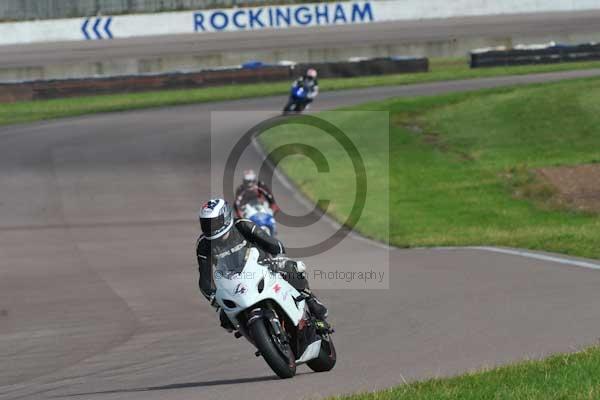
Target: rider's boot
x,y
318,311
295,273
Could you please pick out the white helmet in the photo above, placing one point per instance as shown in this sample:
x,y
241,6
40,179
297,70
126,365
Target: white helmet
x,y
215,218
311,73
250,178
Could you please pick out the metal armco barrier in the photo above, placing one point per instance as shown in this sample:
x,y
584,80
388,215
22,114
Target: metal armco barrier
x,y
34,90
38,90
548,55
375,66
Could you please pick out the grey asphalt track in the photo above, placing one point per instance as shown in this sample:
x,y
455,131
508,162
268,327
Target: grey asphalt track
x,y
542,27
98,294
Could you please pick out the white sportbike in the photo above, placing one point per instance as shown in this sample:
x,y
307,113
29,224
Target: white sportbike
x,y
271,314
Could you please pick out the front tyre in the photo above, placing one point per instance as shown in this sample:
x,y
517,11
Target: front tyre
x,y
272,351
290,106
327,356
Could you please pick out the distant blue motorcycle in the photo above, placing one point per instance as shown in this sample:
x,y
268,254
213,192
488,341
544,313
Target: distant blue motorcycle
x,y
262,215
298,100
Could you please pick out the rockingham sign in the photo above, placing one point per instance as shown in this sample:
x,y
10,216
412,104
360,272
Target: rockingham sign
x,y
218,20
106,27
283,16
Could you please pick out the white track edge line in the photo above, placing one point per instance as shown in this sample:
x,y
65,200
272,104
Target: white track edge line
x,y
538,256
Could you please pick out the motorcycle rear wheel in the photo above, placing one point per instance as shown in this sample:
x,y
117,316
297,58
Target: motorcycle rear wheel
x,y
265,342
327,357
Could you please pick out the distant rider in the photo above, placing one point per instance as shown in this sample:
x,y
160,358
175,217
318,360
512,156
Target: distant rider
x,y
251,190
223,236
309,83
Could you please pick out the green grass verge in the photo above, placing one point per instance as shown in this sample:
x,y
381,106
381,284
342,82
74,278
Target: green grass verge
x,y
573,376
442,69
455,162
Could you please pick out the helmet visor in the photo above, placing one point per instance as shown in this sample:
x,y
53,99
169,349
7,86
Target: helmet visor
x,y
212,226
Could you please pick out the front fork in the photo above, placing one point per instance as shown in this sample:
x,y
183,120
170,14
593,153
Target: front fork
x,y
269,315
280,335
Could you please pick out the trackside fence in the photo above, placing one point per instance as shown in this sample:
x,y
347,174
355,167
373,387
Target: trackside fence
x,y
50,89
535,55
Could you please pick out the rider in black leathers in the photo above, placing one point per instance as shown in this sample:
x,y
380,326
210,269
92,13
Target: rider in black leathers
x,y
222,235
251,190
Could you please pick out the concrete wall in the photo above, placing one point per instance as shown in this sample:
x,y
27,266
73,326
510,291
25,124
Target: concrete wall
x,y
18,10
271,17
450,47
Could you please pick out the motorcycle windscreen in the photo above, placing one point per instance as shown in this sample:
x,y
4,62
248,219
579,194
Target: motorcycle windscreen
x,y
231,262
298,92
258,204
261,219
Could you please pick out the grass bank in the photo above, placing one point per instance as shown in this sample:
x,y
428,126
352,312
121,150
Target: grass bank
x,y
573,376
441,69
460,168
460,173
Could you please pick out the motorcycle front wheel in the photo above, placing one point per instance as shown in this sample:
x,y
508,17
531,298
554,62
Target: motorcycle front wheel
x,y
279,356
289,107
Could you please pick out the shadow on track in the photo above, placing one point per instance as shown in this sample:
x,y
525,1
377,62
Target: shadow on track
x,y
173,386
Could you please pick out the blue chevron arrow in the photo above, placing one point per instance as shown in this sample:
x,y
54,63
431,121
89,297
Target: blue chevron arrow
x,y
84,29
97,27
107,28
98,35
